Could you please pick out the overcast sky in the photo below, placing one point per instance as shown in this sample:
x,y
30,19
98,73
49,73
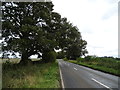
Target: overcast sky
x,y
97,21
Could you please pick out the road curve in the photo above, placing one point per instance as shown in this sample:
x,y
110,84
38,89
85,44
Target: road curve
x,y
76,76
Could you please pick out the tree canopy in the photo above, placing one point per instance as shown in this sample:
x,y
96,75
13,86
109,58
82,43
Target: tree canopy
x,y
34,28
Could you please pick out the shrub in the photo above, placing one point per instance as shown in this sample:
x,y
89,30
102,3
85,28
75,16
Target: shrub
x,y
73,61
79,59
49,56
65,59
52,56
8,62
88,58
60,55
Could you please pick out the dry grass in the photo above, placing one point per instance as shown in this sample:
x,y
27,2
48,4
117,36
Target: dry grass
x,y
45,75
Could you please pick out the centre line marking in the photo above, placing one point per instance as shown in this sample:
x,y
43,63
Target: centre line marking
x,y
101,84
75,68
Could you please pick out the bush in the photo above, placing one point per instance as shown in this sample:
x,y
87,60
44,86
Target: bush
x,y
73,61
65,59
88,58
52,56
8,62
60,55
79,59
49,56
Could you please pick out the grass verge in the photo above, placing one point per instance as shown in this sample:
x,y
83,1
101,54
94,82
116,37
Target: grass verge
x,y
97,67
42,75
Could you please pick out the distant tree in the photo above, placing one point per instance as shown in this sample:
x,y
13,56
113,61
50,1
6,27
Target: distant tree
x,y
5,55
88,58
117,58
15,56
70,40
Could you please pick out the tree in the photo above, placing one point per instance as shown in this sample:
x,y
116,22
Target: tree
x,y
60,55
33,28
70,40
23,27
5,55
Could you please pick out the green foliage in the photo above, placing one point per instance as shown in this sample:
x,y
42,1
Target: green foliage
x,y
106,64
22,30
31,28
102,68
101,61
49,56
79,60
73,61
34,76
88,58
72,42
60,55
109,65
65,59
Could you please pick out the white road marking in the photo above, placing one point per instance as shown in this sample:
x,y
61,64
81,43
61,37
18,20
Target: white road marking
x,y
61,79
101,84
75,68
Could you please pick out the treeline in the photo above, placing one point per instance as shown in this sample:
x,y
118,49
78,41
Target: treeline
x,y
105,64
61,55
33,28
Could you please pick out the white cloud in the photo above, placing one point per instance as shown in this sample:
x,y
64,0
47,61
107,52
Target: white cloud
x,y
97,20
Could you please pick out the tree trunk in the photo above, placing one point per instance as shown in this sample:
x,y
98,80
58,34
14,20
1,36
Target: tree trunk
x,y
24,59
45,57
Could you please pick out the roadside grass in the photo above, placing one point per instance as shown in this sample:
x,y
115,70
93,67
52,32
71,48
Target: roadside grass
x,y
108,66
39,75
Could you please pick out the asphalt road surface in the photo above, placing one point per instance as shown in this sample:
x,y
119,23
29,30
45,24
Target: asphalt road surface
x,y
76,76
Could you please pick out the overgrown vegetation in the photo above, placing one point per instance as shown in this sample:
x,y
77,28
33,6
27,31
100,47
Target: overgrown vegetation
x,y
65,59
105,64
32,75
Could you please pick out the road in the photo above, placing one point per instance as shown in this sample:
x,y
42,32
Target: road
x,y
76,76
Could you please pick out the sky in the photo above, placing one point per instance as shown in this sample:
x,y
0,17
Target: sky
x,y
97,20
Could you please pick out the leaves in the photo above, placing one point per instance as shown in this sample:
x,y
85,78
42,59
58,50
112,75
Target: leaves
x,y
32,27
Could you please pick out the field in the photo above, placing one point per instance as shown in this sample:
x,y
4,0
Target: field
x,y
107,65
38,75
14,60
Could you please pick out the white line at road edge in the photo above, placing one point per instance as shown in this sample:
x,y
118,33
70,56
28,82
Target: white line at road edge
x,y
75,68
101,84
61,79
